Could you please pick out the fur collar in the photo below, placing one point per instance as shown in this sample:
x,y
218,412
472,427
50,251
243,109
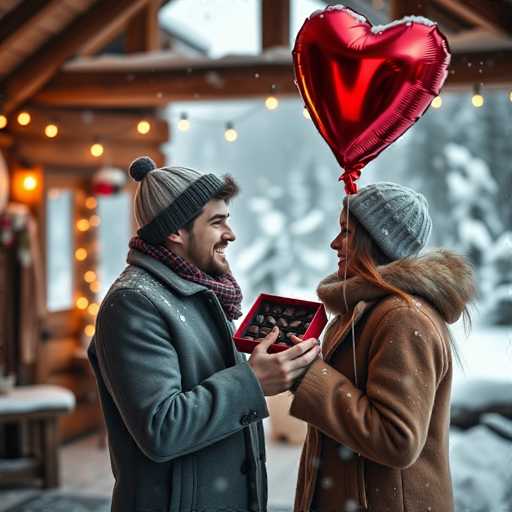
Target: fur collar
x,y
442,278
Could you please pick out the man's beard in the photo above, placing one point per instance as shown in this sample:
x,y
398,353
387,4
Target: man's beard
x,y
207,263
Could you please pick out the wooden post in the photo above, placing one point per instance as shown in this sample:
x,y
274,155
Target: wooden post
x,y
275,23
49,450
143,32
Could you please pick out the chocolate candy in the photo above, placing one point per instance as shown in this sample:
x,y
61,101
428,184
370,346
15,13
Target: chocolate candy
x,y
291,320
270,321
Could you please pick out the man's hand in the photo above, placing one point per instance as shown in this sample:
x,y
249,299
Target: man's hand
x,y
277,372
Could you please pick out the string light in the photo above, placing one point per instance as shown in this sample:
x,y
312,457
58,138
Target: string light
x,y
94,220
29,182
82,303
90,276
437,102
51,130
24,118
91,203
89,330
97,150
477,100
305,113
3,122
93,308
95,287
510,96
143,127
271,103
81,254
83,225
230,134
183,123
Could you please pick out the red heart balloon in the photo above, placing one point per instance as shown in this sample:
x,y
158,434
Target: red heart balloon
x,y
365,86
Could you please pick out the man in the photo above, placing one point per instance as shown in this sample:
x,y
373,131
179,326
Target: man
x,y
183,408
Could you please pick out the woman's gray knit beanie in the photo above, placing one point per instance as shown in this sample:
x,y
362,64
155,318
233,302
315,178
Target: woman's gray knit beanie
x,y
396,217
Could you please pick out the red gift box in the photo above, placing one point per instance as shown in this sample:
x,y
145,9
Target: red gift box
x,y
314,330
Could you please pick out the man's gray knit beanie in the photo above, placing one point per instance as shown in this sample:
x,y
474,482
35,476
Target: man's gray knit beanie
x,y
396,217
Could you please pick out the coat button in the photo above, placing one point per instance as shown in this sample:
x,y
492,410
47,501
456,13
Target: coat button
x,y
253,415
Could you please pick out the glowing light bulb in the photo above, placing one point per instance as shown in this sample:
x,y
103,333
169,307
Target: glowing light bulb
x,y
143,127
29,183
51,130
477,100
82,303
183,123
24,118
3,122
93,308
81,254
271,103
95,287
91,203
83,225
97,149
89,330
90,276
95,220
230,134
437,102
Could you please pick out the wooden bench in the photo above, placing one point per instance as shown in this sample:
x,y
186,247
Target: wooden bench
x,y
36,409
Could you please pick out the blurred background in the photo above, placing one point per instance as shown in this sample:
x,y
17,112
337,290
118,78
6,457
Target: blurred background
x,y
89,85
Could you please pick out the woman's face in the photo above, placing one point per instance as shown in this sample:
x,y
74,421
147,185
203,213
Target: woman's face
x,y
342,244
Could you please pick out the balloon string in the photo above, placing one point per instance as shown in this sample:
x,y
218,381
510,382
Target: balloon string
x,y
349,178
345,295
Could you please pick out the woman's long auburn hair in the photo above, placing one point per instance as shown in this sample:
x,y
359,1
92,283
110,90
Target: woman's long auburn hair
x,y
364,256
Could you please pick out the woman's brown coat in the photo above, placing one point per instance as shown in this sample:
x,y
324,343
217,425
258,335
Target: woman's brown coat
x,y
379,442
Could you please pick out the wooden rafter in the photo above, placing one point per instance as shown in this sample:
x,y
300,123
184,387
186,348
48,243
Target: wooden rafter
x,y
249,77
495,16
275,23
401,8
143,33
40,67
21,16
89,124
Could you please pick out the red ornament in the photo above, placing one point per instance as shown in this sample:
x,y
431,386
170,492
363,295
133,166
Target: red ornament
x,y
363,85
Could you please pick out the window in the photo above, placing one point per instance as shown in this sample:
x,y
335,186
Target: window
x,y
114,234
59,263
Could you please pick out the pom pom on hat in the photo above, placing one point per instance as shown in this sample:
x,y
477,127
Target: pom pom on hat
x,y
140,167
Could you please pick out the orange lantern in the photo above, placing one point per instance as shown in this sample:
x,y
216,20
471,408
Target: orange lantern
x,y
27,185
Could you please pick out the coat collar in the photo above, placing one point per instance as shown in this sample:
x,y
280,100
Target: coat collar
x,y
442,278
164,274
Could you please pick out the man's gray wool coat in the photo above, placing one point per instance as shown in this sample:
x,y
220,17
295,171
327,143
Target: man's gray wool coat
x,y
183,408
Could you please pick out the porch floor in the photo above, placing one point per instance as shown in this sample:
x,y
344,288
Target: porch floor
x,y
85,469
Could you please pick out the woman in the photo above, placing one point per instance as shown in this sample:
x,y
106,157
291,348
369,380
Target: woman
x,y
378,403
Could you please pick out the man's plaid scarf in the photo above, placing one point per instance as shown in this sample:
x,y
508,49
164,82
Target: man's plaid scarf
x,y
224,286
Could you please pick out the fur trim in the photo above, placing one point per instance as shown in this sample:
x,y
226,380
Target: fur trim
x,y
443,278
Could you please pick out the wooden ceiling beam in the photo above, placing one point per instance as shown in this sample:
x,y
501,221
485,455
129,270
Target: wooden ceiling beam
x,y
495,16
77,154
142,89
22,16
143,31
40,67
275,23
156,88
401,8
90,124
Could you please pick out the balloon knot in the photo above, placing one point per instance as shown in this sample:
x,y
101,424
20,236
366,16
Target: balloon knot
x,y
349,178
